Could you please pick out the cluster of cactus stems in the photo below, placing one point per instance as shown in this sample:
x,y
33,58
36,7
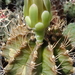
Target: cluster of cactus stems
x,y
38,15
26,50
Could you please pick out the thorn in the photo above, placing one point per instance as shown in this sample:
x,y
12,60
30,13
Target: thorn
x,y
35,54
70,60
60,64
54,69
52,59
66,52
72,49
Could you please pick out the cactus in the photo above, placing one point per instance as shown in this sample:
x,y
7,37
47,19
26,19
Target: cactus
x,y
69,33
42,16
48,65
36,48
17,49
64,59
69,9
24,58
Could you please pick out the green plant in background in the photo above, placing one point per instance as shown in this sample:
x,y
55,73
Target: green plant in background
x,y
27,56
69,9
7,2
69,32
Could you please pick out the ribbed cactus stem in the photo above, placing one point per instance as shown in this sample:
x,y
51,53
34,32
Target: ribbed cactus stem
x,y
69,33
31,61
17,51
65,60
48,64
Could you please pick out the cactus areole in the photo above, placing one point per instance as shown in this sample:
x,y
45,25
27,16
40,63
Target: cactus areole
x,y
37,15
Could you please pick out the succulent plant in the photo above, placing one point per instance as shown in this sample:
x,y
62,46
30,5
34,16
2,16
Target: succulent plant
x,y
17,49
38,16
69,33
27,56
69,9
24,57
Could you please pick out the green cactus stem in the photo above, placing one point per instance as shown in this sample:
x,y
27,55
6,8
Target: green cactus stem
x,y
69,33
17,51
69,9
48,65
34,61
65,60
26,57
